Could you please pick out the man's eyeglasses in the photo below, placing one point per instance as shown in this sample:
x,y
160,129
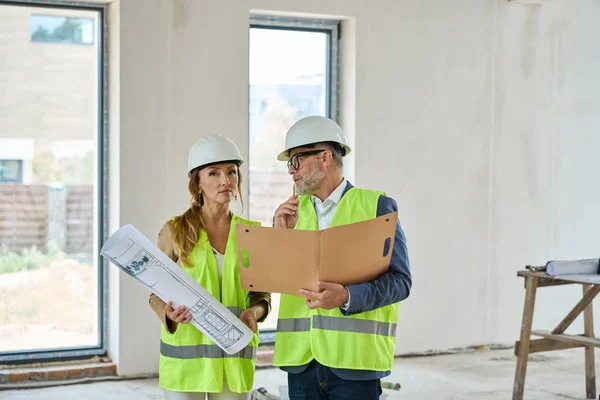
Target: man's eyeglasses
x,y
294,161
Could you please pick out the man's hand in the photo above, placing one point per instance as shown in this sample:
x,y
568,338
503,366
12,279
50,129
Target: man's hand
x,y
181,315
331,295
286,215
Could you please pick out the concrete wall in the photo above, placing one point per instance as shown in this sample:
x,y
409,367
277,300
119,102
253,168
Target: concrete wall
x,y
478,116
544,150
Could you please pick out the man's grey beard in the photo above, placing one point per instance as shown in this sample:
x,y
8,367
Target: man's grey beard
x,y
310,182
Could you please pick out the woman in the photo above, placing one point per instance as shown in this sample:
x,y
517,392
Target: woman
x,y
203,242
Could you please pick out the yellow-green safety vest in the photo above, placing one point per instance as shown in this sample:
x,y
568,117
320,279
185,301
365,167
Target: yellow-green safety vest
x,y
364,341
189,360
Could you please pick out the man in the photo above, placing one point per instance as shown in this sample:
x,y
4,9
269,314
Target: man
x,y
336,343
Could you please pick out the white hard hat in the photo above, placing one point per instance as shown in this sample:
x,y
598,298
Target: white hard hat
x,y
311,130
212,149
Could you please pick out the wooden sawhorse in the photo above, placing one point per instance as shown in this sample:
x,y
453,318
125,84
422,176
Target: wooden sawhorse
x,y
557,339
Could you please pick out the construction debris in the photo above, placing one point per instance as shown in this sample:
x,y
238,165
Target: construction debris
x,y
262,394
390,385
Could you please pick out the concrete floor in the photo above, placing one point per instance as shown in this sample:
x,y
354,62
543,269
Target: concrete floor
x,y
476,375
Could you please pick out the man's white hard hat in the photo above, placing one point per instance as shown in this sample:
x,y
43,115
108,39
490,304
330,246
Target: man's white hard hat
x,y
312,130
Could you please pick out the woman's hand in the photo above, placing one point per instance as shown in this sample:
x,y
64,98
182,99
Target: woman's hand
x,y
249,319
181,315
251,316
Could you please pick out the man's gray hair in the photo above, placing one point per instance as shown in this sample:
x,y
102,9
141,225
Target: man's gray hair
x,y
336,153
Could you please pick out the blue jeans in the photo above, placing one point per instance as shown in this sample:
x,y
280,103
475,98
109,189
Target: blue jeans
x,y
318,382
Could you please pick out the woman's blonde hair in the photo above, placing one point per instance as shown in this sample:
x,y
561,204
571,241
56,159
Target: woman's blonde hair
x,y
187,226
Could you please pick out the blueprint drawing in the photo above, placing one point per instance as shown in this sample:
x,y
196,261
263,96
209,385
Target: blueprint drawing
x,y
136,255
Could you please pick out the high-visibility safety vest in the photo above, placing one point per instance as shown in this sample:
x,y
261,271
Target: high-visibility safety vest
x,y
364,341
189,360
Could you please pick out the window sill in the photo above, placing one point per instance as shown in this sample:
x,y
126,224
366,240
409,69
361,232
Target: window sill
x,y
12,377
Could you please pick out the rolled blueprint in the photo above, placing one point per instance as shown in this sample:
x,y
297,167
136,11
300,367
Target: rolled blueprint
x,y
132,252
574,267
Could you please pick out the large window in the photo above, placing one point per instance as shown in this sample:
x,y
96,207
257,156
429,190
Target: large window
x,y
293,74
52,188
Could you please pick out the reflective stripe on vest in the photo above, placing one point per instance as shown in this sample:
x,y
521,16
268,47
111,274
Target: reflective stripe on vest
x,y
337,324
354,325
293,325
203,351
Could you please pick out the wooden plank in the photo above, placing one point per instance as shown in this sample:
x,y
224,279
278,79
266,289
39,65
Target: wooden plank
x,y
587,298
525,273
528,308
29,241
80,188
80,205
81,193
85,225
582,340
24,205
590,365
544,282
20,190
27,234
79,213
23,199
80,238
542,345
40,227
78,230
23,191
39,233
23,215
550,280
553,282
79,222
543,279
18,248
80,199
79,241
20,224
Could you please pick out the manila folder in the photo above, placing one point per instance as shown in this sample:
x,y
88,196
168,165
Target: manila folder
x,y
276,260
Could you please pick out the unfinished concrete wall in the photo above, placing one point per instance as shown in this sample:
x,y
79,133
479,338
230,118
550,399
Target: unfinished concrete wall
x,y
545,147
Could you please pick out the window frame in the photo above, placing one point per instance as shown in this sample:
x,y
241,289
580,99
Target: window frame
x,y
100,349
332,28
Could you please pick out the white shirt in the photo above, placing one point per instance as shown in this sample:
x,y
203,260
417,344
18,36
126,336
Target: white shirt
x,y
325,209
220,257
